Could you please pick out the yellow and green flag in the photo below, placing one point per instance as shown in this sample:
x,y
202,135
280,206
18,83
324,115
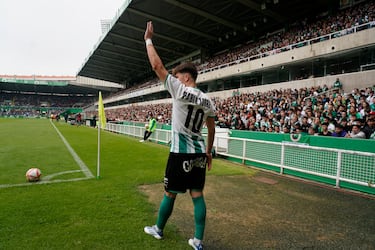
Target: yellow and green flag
x,y
102,119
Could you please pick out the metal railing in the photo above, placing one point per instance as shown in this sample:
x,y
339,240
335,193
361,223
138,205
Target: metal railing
x,y
339,165
300,44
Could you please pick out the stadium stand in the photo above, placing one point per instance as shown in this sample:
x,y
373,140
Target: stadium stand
x,y
301,109
43,96
354,19
277,111
295,101
298,34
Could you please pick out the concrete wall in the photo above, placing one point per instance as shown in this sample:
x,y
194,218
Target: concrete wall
x,y
341,44
350,81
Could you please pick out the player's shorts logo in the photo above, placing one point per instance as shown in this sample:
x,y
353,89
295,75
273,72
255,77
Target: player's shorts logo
x,y
165,182
198,163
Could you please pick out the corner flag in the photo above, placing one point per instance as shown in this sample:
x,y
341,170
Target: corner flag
x,y
101,124
102,119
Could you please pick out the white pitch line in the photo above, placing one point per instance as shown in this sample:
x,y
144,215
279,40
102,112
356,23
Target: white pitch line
x,y
42,182
49,177
80,163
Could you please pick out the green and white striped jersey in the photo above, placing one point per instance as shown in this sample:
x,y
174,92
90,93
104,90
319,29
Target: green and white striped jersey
x,y
191,107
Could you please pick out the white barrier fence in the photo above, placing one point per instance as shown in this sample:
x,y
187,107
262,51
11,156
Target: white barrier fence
x,y
353,167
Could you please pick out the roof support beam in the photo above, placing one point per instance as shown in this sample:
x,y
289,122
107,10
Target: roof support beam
x,y
122,56
100,68
168,38
96,72
124,66
172,24
207,15
104,64
255,6
130,49
143,43
137,51
114,60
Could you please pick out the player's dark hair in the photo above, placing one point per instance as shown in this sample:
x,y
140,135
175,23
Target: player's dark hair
x,y
187,67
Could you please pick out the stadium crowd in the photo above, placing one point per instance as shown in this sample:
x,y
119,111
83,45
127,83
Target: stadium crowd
x,y
33,105
298,34
50,100
316,111
324,111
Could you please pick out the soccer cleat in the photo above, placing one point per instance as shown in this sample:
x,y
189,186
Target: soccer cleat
x,y
195,245
154,231
141,140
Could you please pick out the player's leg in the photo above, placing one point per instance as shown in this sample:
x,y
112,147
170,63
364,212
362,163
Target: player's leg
x,y
147,135
197,181
167,203
165,211
144,136
199,219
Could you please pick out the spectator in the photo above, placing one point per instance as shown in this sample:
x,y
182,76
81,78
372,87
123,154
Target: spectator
x,y
277,129
337,84
331,126
339,131
324,130
316,124
356,132
286,130
372,103
345,126
369,128
305,126
311,131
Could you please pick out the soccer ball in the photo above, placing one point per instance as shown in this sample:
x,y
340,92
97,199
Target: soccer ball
x,y
33,174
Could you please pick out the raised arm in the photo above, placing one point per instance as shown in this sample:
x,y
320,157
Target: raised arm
x,y
153,57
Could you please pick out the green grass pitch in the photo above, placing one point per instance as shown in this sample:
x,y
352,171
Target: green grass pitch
x,y
105,213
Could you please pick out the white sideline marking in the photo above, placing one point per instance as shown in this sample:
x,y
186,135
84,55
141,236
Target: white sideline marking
x,y
80,163
43,182
49,177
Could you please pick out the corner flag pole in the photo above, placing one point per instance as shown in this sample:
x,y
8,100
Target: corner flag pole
x,y
98,162
101,124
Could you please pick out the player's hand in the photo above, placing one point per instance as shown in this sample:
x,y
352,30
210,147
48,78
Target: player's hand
x,y
209,161
149,31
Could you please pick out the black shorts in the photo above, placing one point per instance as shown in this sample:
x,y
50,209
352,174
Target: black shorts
x,y
185,171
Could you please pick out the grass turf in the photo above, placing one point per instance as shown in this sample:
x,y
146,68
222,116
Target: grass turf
x,y
108,213
246,209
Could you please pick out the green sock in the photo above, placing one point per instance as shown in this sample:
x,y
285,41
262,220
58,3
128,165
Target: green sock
x,y
165,210
199,216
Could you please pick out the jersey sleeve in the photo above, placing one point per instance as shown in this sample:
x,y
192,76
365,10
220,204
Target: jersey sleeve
x,y
173,86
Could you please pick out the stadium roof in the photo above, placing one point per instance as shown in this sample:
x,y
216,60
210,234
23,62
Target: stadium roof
x,y
184,29
55,85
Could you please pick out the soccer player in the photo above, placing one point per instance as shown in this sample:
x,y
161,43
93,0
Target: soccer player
x,y
150,128
189,154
